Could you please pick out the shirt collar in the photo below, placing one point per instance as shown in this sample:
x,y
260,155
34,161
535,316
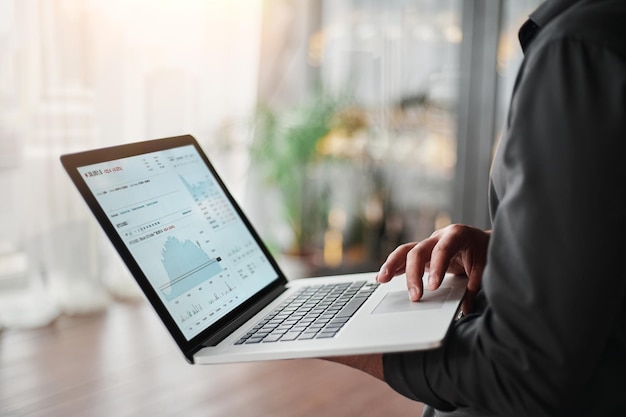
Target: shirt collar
x,y
540,18
549,10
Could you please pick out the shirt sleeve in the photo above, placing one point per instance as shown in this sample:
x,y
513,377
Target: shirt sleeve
x,y
553,283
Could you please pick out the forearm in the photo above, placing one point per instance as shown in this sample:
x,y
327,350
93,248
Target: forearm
x,y
370,364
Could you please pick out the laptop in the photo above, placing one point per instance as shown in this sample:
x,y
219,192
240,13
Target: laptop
x,y
213,282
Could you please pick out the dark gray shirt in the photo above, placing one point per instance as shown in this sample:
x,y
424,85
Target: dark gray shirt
x,y
551,339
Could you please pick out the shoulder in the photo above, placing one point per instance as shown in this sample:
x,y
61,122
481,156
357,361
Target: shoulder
x,y
594,23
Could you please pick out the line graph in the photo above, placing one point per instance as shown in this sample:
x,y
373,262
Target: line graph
x,y
187,266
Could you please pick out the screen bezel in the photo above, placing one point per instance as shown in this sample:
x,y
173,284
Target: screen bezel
x,y
71,163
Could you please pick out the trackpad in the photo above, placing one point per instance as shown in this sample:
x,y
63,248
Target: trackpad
x,y
398,301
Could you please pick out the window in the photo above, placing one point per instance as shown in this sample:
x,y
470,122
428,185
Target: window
x,y
381,96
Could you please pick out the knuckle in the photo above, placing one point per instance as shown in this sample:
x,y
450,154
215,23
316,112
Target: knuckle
x,y
456,228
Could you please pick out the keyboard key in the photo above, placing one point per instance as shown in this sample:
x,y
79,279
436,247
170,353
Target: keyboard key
x,y
352,307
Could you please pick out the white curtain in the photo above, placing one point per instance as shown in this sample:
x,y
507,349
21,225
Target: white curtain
x,y
76,74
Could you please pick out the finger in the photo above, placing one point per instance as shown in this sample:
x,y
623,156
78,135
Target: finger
x,y
475,273
447,247
467,305
438,266
416,261
475,278
395,264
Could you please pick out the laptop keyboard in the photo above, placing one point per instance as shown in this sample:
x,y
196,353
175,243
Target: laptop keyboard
x,y
314,312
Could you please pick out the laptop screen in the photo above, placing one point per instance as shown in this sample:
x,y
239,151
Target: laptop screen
x,y
184,233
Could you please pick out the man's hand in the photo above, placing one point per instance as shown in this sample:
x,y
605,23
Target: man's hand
x,y
458,249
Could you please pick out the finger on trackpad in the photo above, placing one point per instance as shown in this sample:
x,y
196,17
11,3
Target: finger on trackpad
x,y
398,301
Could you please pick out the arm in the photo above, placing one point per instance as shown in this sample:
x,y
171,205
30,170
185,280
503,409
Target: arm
x,y
457,249
370,364
543,336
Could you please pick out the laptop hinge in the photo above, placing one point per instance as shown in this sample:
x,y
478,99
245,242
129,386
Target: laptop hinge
x,y
238,321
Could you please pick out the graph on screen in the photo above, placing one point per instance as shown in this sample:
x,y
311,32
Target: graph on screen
x,y
211,201
183,231
187,266
200,190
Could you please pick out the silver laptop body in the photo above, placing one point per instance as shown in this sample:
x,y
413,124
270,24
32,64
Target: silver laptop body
x,y
215,285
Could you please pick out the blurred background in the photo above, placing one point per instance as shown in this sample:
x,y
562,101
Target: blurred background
x,y
342,127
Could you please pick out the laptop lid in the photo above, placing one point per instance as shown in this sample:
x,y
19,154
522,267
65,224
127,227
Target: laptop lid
x,y
180,233
206,272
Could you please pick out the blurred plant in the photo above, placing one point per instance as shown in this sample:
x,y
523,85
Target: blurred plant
x,y
284,149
